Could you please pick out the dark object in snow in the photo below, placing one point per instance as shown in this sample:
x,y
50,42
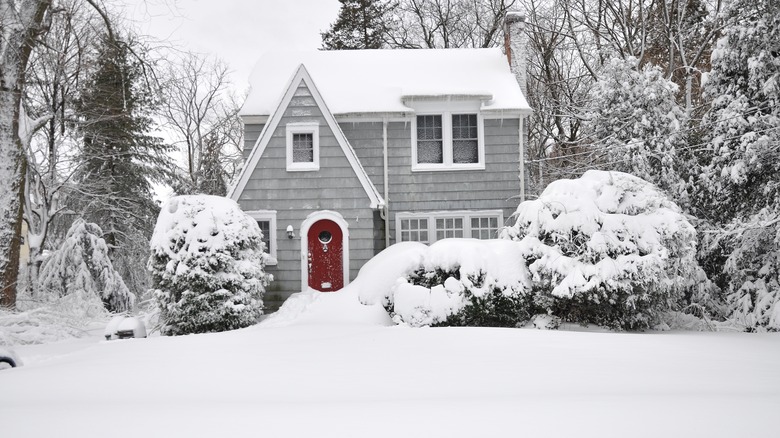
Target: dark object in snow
x,y
9,359
125,327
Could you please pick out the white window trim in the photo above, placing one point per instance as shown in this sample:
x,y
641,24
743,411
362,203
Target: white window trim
x,y
303,128
466,215
446,121
270,216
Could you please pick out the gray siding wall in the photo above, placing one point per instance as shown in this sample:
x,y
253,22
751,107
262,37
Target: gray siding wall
x,y
494,188
294,195
251,132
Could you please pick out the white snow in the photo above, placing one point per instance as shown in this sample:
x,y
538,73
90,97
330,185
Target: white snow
x,y
606,228
331,380
376,81
498,264
124,323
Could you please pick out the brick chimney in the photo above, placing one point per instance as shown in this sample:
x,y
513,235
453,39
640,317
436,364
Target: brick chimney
x,y
515,46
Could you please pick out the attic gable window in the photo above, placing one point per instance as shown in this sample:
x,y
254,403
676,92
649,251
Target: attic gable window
x,y
303,147
449,140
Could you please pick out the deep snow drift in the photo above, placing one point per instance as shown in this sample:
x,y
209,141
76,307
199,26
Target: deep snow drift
x,y
360,379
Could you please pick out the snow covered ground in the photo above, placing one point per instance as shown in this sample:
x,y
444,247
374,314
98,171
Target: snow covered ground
x,y
307,372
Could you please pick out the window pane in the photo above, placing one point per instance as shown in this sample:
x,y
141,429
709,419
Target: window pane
x,y
429,139
414,230
430,152
265,228
303,148
465,151
484,227
449,227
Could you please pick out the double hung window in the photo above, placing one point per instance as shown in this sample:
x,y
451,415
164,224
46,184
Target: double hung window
x,y
303,146
447,141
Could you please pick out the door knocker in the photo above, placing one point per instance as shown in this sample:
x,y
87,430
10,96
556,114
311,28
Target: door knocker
x,y
325,237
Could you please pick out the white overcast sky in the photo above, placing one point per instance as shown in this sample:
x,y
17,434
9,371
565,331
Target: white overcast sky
x,y
238,31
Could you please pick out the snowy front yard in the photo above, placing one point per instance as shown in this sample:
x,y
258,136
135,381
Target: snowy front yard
x,y
314,378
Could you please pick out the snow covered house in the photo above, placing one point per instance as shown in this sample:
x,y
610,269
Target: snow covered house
x,y
348,152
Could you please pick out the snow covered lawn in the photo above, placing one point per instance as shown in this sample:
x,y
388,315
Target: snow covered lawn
x,y
317,379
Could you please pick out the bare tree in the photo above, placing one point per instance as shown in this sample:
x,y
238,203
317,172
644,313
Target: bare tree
x,y
448,23
22,23
57,69
202,116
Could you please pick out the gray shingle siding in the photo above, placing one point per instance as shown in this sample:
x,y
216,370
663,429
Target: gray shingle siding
x,y
251,133
494,188
294,195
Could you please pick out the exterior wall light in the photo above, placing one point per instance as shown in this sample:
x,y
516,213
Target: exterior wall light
x,y
290,232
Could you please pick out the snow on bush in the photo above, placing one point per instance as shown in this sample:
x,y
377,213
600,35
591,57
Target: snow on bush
x,y
753,269
636,120
207,266
609,249
82,269
57,320
463,282
377,278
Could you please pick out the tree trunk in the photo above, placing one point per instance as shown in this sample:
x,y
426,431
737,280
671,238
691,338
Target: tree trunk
x,y
20,23
12,171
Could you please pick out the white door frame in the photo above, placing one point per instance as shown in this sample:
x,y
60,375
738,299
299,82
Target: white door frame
x,y
310,220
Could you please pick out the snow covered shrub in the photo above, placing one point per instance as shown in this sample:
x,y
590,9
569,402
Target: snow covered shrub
x,y
465,282
207,266
81,270
608,249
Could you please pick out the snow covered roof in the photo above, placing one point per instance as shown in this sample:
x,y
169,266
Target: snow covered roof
x,y
379,81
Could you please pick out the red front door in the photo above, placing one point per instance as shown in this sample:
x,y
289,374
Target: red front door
x,y
326,256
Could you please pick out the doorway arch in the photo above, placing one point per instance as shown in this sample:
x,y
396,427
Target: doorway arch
x,y
312,231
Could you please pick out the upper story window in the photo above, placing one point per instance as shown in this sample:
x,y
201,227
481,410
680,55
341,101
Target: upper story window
x,y
303,146
447,141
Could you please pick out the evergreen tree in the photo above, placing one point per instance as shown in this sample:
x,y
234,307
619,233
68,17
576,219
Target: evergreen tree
x,y
361,24
637,122
81,267
742,198
207,266
119,157
212,176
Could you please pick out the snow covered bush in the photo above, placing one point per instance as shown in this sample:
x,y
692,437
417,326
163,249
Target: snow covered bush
x,y
207,266
464,282
81,270
608,249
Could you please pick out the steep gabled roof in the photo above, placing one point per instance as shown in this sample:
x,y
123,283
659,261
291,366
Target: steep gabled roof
x,y
301,74
379,81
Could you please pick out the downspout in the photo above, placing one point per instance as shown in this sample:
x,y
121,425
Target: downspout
x,y
385,183
521,134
